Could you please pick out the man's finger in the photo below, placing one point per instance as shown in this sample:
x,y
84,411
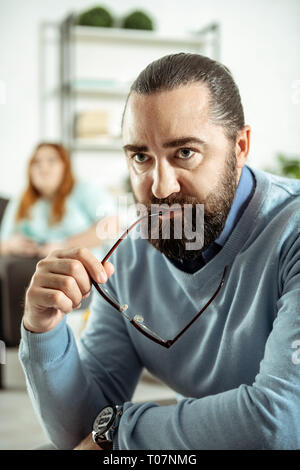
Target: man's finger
x,y
51,298
66,284
109,268
89,261
70,267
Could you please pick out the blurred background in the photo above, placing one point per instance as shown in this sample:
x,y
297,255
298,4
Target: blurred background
x,y
64,75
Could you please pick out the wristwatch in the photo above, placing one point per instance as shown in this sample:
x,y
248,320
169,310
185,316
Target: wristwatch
x,y
105,425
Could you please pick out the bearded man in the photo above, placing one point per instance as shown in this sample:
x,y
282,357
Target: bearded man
x,y
216,321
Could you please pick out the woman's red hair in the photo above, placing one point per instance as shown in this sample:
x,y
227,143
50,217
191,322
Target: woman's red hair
x,y
31,194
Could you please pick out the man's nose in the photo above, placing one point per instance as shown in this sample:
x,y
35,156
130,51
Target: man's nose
x,y
165,181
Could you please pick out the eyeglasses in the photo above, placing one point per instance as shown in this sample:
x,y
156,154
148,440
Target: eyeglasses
x,y
138,321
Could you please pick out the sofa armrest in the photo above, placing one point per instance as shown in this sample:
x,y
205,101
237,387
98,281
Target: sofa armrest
x,y
15,275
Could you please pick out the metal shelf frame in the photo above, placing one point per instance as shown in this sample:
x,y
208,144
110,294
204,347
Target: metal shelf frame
x,y
64,38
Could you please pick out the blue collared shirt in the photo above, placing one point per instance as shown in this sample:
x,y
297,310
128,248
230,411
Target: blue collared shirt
x,y
242,197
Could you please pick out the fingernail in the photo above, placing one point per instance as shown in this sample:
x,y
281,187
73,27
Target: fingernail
x,y
86,295
78,306
111,268
103,276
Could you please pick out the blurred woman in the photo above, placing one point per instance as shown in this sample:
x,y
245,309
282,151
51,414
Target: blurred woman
x,y
55,210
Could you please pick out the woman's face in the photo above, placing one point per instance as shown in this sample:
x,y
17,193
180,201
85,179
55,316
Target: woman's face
x,y
47,171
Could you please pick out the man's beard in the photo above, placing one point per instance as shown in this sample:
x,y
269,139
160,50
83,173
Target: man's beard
x,y
216,209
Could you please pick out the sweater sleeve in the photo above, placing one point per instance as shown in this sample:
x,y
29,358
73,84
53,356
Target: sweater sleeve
x,y
69,382
263,415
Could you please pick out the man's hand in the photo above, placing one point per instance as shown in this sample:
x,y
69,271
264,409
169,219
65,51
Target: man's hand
x,y
59,284
87,444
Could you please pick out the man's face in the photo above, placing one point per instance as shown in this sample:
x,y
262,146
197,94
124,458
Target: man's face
x,y
175,154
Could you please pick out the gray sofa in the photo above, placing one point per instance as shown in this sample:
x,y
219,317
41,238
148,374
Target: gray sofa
x,y
15,275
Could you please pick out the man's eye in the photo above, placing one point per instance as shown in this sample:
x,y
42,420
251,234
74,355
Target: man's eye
x,y
140,158
185,154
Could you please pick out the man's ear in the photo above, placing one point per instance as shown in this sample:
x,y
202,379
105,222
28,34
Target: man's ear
x,y
242,146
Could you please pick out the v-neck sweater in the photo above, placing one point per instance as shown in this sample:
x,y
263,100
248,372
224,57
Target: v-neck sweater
x,y
237,367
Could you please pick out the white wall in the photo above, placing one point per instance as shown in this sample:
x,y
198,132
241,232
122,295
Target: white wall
x,y
260,44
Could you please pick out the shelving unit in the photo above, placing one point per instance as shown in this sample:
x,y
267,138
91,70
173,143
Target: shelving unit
x,y
134,36
94,145
95,68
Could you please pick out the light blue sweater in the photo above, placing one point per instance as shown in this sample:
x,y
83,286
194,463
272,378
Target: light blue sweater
x,y
238,365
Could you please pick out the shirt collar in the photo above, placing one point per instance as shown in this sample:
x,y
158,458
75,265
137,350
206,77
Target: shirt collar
x,y
243,195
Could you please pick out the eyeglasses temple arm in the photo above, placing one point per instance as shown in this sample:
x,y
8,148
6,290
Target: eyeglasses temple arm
x,y
102,294
124,234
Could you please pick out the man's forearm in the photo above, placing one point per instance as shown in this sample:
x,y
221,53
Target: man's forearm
x,y
236,419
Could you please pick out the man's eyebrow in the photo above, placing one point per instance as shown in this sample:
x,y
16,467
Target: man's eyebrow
x,y
183,141
135,148
170,144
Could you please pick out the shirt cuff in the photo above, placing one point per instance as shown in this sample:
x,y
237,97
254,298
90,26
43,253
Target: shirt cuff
x,y
45,347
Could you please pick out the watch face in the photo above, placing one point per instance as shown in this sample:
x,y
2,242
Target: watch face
x,y
104,420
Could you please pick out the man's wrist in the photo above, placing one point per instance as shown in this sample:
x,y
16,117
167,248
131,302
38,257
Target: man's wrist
x,y
38,329
28,327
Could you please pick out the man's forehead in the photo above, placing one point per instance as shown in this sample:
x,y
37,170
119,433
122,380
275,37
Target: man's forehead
x,y
175,111
192,96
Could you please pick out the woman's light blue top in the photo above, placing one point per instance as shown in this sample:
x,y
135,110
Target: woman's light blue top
x,y
86,204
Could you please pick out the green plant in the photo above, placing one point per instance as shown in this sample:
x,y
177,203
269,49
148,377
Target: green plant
x,y
287,166
138,20
97,16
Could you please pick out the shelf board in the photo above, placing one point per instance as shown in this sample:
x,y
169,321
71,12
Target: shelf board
x,y
93,87
135,36
85,91
100,91
97,145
